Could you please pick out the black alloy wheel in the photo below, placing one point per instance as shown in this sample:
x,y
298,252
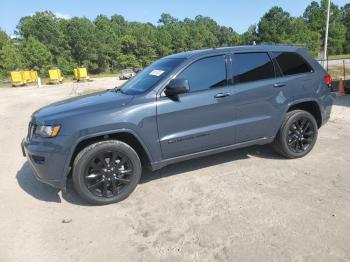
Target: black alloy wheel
x,y
106,172
301,134
297,135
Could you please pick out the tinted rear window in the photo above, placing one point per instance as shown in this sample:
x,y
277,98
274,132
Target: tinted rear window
x,y
252,67
292,63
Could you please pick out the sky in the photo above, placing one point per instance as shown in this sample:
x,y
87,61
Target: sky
x,y
237,14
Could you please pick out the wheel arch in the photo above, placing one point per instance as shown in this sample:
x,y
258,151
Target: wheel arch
x,y
127,136
310,106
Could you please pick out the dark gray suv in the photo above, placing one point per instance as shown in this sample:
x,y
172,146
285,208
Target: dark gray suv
x,y
182,106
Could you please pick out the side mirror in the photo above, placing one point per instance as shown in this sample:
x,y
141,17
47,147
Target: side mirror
x,y
176,87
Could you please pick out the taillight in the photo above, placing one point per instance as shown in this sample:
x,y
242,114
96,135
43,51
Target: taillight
x,y
328,80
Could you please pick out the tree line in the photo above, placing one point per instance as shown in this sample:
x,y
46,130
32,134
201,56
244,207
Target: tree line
x,y
106,44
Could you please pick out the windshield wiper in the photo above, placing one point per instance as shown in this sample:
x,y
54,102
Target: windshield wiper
x,y
117,89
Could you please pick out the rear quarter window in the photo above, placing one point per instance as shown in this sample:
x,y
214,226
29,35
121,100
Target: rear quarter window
x,y
292,63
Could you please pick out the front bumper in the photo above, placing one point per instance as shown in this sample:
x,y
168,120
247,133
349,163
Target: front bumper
x,y
47,158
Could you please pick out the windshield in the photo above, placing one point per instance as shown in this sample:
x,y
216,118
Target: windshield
x,y
150,76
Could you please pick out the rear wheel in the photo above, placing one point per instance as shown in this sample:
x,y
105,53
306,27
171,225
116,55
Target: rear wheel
x,y
297,135
106,172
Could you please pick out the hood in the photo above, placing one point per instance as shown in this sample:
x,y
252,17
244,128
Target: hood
x,y
82,104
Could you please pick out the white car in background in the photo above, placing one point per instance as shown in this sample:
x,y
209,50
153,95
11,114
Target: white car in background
x,y
126,74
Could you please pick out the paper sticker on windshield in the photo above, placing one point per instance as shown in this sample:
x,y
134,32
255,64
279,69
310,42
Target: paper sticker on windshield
x,y
156,73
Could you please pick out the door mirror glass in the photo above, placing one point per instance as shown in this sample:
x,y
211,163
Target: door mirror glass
x,y
176,87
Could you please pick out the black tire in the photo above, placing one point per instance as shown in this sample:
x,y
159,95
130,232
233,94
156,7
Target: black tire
x,y
93,158
292,141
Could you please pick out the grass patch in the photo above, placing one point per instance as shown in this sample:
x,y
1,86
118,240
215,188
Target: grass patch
x,y
105,74
5,83
346,56
337,72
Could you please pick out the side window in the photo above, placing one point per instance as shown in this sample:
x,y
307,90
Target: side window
x,y
205,73
291,63
249,67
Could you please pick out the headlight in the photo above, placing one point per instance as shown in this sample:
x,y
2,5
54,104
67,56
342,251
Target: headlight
x,y
47,131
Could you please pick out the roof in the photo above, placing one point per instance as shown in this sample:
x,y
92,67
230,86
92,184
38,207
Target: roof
x,y
194,53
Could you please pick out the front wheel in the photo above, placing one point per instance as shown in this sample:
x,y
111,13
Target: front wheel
x,y
106,172
297,135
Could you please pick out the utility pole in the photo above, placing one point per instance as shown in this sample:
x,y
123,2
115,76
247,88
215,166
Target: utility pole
x,y
326,36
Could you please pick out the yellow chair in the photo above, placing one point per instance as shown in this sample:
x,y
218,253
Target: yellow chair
x,y
55,76
17,78
80,74
26,76
33,76
75,73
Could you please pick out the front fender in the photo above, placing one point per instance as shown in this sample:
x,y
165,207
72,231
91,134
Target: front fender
x,y
68,160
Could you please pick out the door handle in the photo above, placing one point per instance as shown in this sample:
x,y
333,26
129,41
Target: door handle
x,y
222,95
279,84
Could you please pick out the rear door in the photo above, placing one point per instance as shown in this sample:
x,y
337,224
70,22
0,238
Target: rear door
x,y
201,119
296,74
257,97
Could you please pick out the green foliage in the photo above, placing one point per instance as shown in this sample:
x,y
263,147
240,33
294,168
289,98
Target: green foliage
x,y
112,43
275,26
315,16
66,64
250,36
46,28
10,59
79,33
129,60
35,54
4,39
345,18
301,35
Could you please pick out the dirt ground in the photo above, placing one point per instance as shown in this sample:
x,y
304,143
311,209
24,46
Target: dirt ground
x,y
243,205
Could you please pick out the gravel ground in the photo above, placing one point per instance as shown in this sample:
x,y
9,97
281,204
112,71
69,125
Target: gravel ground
x,y
243,205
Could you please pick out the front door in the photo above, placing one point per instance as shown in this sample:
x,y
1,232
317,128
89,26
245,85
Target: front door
x,y
201,119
